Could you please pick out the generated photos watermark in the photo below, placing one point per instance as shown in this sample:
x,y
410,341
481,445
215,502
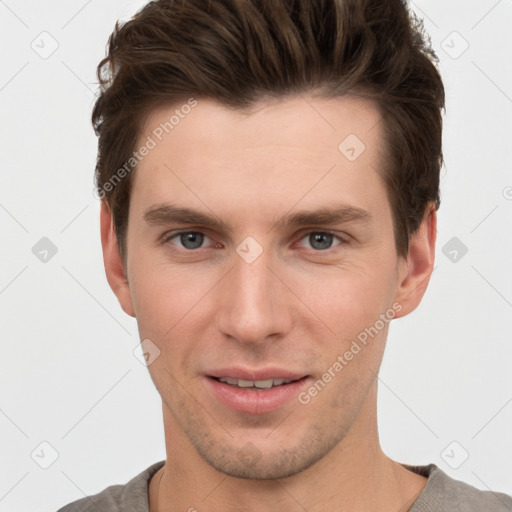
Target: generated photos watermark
x,y
151,142
366,335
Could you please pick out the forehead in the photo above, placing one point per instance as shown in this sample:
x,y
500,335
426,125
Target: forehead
x,y
317,123
276,153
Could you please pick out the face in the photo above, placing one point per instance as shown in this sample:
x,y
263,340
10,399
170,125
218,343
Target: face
x,y
260,252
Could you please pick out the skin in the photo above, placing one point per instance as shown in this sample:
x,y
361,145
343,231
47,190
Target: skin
x,y
294,307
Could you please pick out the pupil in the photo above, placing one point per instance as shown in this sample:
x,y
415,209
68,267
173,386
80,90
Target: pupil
x,y
191,240
320,241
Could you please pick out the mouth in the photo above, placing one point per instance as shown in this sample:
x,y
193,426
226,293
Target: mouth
x,y
255,393
255,385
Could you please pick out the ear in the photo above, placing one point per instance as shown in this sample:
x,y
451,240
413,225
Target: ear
x,y
415,269
113,263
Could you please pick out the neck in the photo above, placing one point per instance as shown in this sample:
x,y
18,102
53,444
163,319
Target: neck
x,y
354,476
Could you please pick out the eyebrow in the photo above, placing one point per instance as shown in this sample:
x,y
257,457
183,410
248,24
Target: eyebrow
x,y
323,216
164,214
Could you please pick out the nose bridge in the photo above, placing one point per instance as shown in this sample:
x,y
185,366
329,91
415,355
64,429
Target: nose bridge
x,y
251,308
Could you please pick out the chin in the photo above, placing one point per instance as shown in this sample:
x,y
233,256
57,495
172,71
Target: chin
x,y
265,460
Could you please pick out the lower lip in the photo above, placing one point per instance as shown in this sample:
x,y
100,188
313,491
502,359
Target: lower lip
x,y
252,401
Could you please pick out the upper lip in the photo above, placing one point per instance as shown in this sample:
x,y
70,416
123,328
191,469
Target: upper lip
x,y
255,374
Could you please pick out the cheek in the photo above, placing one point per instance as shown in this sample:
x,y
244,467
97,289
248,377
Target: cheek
x,y
347,299
166,297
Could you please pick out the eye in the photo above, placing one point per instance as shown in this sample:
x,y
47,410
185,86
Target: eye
x,y
320,240
189,240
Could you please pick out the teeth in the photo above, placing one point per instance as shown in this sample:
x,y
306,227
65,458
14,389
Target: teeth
x,y
263,384
245,383
228,380
260,384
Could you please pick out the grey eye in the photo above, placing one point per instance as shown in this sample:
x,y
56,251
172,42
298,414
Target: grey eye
x,y
191,239
320,241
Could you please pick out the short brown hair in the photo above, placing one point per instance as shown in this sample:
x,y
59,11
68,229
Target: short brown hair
x,y
240,51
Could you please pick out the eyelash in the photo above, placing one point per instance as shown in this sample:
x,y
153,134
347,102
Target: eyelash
x,y
169,236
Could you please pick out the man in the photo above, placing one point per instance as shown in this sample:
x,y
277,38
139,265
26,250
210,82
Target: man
x,y
269,177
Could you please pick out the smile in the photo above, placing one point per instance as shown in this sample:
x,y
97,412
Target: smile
x,y
254,384
255,396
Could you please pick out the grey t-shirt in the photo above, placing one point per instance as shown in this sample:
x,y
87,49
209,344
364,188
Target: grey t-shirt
x,y
441,494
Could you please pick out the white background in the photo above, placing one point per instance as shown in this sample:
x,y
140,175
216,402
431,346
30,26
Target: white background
x,y
68,373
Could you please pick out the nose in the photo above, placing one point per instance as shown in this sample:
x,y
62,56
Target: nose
x,y
254,306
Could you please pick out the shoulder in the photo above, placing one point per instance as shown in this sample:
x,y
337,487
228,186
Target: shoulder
x,y
118,498
471,499
443,493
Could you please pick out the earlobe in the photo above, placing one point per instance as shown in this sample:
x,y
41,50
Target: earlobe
x,y
114,269
419,264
